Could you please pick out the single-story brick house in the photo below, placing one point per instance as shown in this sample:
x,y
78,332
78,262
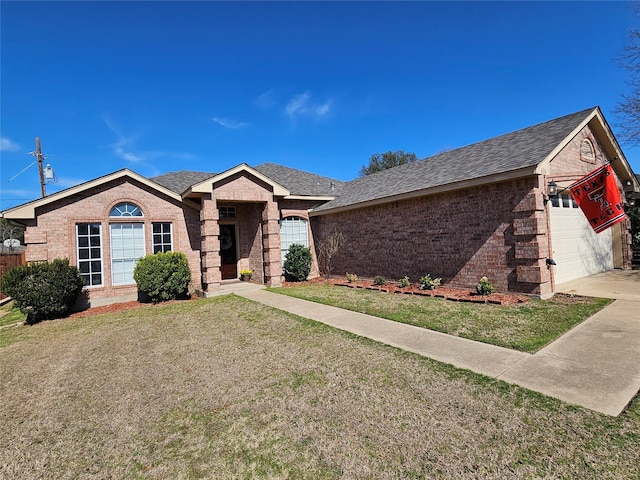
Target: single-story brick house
x,y
477,210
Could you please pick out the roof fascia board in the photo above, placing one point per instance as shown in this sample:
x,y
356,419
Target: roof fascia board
x,y
620,165
543,167
28,210
603,132
501,177
206,186
312,198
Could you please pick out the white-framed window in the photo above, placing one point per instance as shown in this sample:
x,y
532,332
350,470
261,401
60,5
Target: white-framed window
x,y
293,230
127,247
127,243
89,251
126,209
162,237
563,200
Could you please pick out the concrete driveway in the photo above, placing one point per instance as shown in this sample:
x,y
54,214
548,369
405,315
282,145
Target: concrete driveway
x,y
597,363
618,284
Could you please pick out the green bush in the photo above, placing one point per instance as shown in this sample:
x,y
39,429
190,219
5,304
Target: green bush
x,y
43,290
484,287
163,276
404,282
379,280
428,283
297,263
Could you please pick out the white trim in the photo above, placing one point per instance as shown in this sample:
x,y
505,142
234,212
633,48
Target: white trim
x,y
27,211
206,186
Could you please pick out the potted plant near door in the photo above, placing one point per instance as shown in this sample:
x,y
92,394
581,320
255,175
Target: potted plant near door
x,y
245,275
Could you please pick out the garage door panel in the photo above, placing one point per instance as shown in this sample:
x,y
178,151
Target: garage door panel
x,y
577,250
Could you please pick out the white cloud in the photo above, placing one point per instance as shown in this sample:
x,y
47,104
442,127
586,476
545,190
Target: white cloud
x,y
229,123
7,145
266,100
120,147
124,148
301,104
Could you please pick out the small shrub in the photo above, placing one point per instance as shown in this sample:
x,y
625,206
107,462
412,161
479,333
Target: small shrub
x,y
297,263
43,290
163,276
428,283
352,277
404,282
248,272
379,280
484,287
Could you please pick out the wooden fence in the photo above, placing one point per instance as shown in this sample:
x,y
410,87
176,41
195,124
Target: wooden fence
x,y
9,260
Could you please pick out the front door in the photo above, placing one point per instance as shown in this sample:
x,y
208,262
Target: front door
x,y
228,252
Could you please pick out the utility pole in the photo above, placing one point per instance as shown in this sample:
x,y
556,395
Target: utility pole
x,y
39,157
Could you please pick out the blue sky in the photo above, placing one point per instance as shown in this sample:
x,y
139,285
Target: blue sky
x,y
165,86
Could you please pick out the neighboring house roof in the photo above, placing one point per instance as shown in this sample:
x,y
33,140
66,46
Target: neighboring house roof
x,y
507,156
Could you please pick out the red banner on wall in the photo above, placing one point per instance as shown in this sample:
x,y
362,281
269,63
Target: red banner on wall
x,y
598,196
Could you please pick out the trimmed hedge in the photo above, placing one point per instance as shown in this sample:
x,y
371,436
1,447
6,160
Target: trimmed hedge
x,y
297,263
163,276
43,290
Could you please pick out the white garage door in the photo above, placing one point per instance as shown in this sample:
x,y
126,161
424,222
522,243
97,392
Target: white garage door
x,y
577,250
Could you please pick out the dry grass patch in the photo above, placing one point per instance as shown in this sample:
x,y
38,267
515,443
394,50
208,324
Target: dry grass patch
x,y
226,388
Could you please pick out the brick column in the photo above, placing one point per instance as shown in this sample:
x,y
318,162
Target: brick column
x,y
271,244
210,244
531,232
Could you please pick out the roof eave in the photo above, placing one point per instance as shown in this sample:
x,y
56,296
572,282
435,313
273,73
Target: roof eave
x,y
206,186
449,187
27,211
310,197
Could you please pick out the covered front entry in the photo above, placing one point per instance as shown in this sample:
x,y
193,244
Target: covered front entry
x,y
577,250
228,252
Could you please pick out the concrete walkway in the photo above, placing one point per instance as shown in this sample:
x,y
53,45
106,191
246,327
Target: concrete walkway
x,y
595,365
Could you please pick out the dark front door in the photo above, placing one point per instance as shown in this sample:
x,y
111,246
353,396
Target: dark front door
x,y
228,252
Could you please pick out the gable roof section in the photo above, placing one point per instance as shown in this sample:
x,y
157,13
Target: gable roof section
x,y
180,181
301,183
206,185
507,156
27,210
289,182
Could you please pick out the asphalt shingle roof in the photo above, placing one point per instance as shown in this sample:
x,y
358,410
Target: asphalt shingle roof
x,y
179,181
509,152
299,182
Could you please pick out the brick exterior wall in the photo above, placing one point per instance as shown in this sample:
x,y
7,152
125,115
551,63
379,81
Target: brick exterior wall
x,y
459,236
500,230
53,234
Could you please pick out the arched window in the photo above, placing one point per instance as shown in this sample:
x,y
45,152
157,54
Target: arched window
x,y
587,152
126,209
127,242
293,230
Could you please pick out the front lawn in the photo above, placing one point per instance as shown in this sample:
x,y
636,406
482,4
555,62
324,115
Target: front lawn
x,y
226,388
526,327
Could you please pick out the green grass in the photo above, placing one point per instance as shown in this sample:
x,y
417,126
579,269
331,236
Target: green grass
x,y
525,327
226,388
10,315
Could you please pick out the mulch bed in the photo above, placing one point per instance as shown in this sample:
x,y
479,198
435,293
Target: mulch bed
x,y
454,294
